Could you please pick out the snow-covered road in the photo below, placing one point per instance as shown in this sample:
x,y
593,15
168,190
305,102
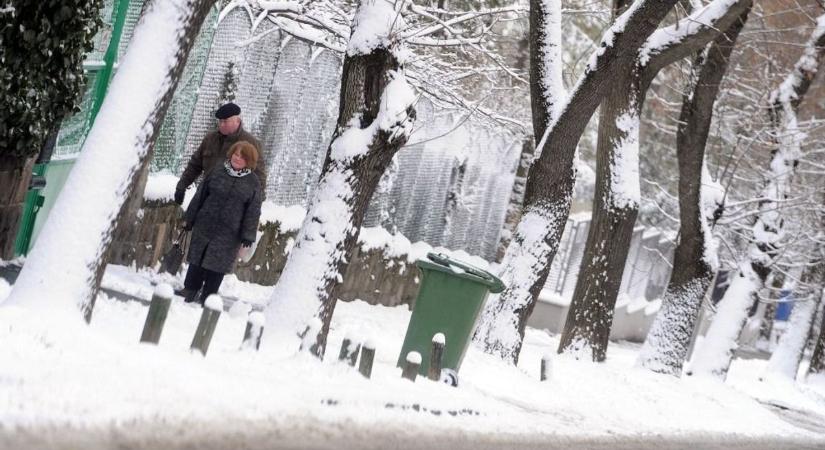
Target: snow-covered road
x,y
301,434
98,388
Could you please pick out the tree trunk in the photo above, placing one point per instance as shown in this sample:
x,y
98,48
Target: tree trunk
x,y
785,359
668,340
15,175
374,122
77,235
513,215
615,206
549,187
817,365
716,354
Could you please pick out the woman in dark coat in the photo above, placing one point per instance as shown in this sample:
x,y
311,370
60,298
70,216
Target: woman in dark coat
x,y
223,216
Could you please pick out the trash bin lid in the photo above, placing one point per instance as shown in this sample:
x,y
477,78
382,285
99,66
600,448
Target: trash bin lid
x,y
443,263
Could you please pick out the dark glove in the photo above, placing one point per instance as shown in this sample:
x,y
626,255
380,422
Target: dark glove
x,y
186,226
179,193
246,243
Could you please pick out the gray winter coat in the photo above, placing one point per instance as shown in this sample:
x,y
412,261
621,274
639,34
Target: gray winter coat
x,y
225,210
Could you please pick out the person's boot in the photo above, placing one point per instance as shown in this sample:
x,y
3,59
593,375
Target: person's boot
x,y
190,295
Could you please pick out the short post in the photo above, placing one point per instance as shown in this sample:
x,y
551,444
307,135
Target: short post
x,y
156,317
411,366
206,327
367,357
436,355
546,367
254,331
349,351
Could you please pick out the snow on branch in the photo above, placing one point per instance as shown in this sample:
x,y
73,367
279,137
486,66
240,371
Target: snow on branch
x,y
804,70
276,7
448,25
350,27
372,26
393,118
674,42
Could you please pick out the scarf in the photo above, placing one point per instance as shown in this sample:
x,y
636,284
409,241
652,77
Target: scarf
x,y
235,173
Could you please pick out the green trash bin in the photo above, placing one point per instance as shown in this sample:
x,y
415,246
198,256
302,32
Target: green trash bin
x,y
450,298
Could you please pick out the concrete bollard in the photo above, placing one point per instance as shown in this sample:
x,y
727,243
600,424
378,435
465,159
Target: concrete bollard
x,y
254,331
367,357
546,367
156,317
349,351
436,355
206,327
412,365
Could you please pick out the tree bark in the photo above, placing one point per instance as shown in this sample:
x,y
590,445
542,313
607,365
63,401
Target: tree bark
x,y
105,175
550,183
668,340
615,206
817,365
513,215
304,299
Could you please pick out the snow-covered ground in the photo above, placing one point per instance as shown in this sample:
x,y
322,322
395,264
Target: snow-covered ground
x,y
97,387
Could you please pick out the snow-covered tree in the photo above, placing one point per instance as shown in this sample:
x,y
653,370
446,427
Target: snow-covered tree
x,y
695,258
376,115
617,198
767,233
42,45
627,53
64,268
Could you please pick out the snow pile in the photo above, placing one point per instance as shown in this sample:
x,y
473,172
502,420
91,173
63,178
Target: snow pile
x,y
397,246
372,26
393,245
160,186
288,218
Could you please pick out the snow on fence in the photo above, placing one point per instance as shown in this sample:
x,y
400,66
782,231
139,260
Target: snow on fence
x,y
288,90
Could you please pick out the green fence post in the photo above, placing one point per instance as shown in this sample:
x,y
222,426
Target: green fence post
x,y
32,204
105,74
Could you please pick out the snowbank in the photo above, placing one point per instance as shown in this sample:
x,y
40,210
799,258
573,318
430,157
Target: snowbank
x,y
101,378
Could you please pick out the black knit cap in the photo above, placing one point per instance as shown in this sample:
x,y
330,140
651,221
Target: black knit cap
x,y
228,110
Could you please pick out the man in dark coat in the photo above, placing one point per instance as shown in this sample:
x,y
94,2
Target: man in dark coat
x,y
212,151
